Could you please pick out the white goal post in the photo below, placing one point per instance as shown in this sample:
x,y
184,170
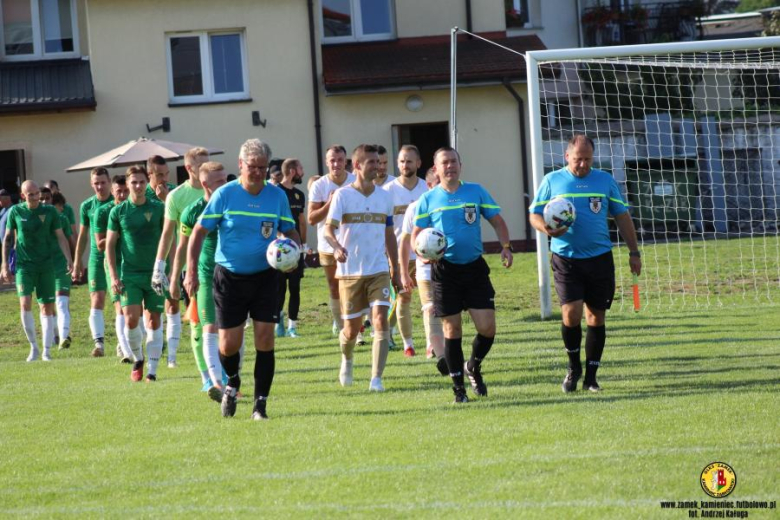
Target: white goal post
x,y
691,132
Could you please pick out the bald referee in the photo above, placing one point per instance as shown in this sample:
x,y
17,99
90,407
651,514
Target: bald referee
x,y
461,279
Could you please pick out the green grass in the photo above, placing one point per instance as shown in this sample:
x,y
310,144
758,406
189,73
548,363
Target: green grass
x,y
681,389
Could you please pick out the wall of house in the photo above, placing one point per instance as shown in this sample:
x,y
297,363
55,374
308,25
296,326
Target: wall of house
x,y
489,136
438,17
129,68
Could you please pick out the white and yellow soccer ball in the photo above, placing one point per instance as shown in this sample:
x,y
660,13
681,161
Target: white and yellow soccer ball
x,y
431,244
283,254
559,213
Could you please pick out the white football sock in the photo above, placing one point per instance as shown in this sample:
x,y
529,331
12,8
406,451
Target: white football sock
x,y
28,322
211,354
154,346
96,324
119,325
173,334
335,310
63,316
47,327
134,338
291,324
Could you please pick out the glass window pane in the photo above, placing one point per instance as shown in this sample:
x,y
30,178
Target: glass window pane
x,y
375,16
57,26
336,18
516,13
17,33
227,64
185,62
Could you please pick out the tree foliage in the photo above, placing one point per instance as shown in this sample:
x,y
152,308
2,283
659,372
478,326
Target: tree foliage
x,y
747,6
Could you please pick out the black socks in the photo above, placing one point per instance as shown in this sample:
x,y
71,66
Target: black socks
x,y
572,338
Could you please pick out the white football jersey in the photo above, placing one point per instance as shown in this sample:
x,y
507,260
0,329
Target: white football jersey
x,y
402,197
388,180
319,192
362,222
423,269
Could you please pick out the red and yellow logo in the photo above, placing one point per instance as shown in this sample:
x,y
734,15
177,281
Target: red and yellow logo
x,y
718,479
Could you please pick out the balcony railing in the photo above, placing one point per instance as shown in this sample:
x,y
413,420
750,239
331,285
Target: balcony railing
x,y
643,23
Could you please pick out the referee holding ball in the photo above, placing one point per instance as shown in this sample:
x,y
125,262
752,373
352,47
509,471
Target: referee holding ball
x,y
461,279
582,261
247,213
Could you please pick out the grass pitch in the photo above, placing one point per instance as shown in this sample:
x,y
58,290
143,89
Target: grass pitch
x,y
682,389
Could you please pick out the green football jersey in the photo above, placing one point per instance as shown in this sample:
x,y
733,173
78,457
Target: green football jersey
x,y
150,194
87,214
100,226
189,218
59,260
140,228
34,229
67,210
178,200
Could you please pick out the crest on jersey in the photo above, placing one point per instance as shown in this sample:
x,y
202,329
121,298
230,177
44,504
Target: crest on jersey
x,y
148,216
42,217
266,228
595,204
470,212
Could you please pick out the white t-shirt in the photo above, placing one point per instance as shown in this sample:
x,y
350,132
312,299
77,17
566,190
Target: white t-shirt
x,y
362,222
423,270
402,197
388,180
319,192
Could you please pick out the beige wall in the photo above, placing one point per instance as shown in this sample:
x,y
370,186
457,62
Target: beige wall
x,y
489,135
437,17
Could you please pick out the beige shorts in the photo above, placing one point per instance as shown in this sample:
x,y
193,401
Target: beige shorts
x,y
426,294
358,295
327,259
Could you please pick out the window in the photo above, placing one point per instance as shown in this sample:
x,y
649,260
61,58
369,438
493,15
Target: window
x,y
517,16
357,20
207,67
38,29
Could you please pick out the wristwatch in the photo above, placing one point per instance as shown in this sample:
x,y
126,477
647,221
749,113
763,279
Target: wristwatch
x,y
635,254
507,245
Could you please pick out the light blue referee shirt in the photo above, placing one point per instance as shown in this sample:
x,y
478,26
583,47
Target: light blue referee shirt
x,y
457,215
594,196
247,224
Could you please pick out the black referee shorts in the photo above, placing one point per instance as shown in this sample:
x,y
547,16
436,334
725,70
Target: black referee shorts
x,y
236,295
589,279
459,287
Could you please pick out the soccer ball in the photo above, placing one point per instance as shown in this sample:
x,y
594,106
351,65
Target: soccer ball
x,y
430,244
283,254
559,213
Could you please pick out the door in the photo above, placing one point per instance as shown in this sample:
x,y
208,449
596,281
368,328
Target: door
x,y
427,137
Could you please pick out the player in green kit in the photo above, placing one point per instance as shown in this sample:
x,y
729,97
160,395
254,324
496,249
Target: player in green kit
x,y
96,276
212,176
134,227
120,192
66,210
32,225
62,280
175,202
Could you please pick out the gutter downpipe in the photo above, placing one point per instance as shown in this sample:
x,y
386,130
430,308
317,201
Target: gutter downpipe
x,y
315,89
469,25
524,156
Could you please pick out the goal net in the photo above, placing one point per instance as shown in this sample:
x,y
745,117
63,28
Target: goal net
x,y
691,132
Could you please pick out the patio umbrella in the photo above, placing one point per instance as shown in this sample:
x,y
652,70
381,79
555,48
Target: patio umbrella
x,y
136,152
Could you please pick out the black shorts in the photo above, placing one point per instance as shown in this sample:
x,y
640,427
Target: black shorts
x,y
459,287
589,279
236,295
297,273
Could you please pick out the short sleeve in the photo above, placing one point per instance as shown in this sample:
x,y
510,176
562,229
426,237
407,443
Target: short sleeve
x,y
187,221
422,218
316,192
11,219
286,221
616,204
84,212
487,205
55,221
172,210
541,198
336,211
68,211
212,214
101,220
113,220
407,225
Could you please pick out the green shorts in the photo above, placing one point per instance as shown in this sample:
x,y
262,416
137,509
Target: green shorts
x,y
41,283
138,291
62,281
206,309
96,274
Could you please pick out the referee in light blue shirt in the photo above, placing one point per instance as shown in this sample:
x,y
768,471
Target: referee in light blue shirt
x,y
582,261
461,280
247,213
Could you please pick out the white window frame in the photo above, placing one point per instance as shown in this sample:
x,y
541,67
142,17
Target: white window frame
x,y
357,26
518,5
207,72
39,52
